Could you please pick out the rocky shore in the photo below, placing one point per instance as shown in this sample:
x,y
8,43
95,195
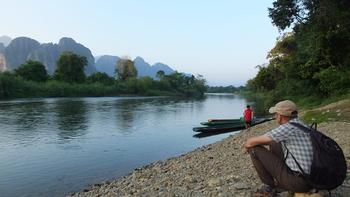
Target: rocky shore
x,y
218,169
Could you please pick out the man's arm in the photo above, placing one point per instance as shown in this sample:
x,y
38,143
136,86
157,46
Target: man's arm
x,y
254,141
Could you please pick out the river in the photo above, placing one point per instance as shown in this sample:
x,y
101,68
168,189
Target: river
x,y
54,146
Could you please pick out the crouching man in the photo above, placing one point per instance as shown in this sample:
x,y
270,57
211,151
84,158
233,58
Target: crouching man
x,y
275,164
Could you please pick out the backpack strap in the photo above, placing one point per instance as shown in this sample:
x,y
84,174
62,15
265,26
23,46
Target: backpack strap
x,y
306,130
299,166
314,125
302,127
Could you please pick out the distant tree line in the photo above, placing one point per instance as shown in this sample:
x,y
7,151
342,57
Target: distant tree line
x,y
313,60
32,80
224,89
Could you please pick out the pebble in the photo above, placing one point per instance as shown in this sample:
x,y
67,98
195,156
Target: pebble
x,y
241,185
218,169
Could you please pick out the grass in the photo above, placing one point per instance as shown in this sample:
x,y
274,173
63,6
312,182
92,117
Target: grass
x,y
313,108
327,116
336,111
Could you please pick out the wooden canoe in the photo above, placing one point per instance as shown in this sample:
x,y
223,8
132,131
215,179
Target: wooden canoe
x,y
222,122
229,127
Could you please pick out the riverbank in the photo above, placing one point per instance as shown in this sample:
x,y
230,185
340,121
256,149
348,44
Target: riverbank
x,y
12,86
218,169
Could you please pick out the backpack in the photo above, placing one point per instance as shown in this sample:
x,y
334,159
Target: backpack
x,y
328,168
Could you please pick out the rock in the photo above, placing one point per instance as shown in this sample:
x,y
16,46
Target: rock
x,y
190,179
22,49
285,194
241,185
215,182
17,52
107,64
210,171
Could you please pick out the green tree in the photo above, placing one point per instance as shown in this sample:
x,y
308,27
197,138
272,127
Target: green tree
x,y
101,78
8,83
160,74
125,69
70,68
32,71
313,59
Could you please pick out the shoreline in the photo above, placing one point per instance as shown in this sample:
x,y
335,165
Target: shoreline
x,y
217,169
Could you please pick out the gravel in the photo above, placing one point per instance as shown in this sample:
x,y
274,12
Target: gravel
x,y
218,169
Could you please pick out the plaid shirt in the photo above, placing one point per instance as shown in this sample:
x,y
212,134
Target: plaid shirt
x,y
298,143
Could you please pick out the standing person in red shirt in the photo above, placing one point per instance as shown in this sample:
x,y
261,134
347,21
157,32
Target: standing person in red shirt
x,y
248,117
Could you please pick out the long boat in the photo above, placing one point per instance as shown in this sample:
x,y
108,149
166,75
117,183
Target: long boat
x,y
216,122
229,127
225,120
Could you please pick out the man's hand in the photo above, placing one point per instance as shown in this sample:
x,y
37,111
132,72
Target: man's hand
x,y
244,148
254,141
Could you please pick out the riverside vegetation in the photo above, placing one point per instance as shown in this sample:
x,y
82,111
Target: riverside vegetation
x,y
311,63
31,80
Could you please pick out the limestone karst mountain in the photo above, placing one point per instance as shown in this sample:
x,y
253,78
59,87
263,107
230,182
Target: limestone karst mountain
x,y
22,49
15,52
5,40
107,64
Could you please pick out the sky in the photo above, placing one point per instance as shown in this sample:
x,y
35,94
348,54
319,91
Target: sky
x,y
223,40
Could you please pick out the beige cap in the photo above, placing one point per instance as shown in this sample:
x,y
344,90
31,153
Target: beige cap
x,y
285,108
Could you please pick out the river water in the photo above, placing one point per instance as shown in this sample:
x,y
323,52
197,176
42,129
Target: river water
x,y
54,146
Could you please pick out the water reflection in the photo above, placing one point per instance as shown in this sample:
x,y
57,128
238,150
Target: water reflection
x,y
82,141
29,116
22,123
125,113
71,118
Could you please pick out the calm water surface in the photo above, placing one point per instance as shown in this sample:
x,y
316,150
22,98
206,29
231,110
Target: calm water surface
x,y
51,147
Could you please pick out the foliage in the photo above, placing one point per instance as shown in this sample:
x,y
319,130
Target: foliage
x,y
8,84
99,84
312,61
70,68
125,69
160,74
63,89
325,116
221,89
99,77
33,71
187,85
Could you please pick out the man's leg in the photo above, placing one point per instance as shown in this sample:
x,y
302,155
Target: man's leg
x,y
274,172
264,174
276,148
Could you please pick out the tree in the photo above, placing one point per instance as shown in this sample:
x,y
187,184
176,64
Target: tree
x,y
314,58
285,12
125,69
101,78
160,74
8,84
70,68
32,71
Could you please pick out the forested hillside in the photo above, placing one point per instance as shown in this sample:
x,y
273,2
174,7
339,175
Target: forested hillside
x,y
311,59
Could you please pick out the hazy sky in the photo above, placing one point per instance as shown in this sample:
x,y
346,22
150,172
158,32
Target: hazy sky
x,y
223,40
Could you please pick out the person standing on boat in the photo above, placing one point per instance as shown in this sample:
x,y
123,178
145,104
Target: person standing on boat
x,y
248,117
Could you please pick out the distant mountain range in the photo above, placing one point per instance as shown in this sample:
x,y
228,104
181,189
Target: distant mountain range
x,y
21,49
5,40
15,52
107,63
